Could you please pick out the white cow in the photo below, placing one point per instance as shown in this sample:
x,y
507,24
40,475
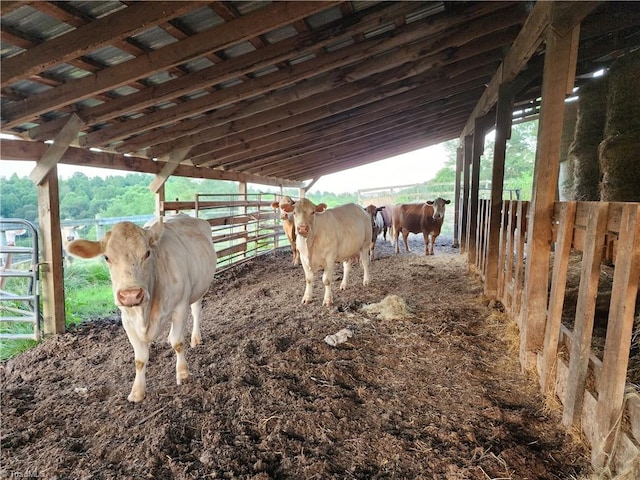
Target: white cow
x,y
325,237
156,273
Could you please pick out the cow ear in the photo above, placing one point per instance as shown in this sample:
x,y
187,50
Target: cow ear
x,y
429,202
287,207
155,232
275,205
87,248
321,207
447,202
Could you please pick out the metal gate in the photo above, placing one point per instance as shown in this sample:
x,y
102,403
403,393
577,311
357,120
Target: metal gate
x,y
19,291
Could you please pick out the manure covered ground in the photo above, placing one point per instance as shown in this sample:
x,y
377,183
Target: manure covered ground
x,y
437,394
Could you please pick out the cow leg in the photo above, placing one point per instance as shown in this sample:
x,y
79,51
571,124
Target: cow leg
x,y
396,242
346,269
196,312
364,259
327,278
176,339
433,242
405,237
308,279
426,243
141,355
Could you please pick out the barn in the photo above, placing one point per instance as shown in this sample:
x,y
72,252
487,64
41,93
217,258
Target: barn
x,y
280,94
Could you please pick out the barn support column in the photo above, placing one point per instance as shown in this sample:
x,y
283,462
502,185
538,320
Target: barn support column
x,y
52,269
464,208
562,40
479,132
45,176
503,132
456,213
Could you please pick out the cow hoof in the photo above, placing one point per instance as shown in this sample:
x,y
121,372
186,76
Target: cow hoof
x,y
195,341
135,397
182,381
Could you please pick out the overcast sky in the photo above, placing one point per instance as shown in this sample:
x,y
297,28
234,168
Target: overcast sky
x,y
407,169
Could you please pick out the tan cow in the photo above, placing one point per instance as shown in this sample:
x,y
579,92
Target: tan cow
x,y
156,273
377,224
415,218
288,226
328,236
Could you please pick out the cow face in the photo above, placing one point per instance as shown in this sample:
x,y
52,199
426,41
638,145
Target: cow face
x,y
128,251
439,205
304,211
285,200
70,233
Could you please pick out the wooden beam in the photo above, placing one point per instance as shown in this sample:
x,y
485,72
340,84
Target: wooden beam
x,y
24,150
223,36
375,55
235,67
52,270
479,132
278,109
90,37
584,316
503,133
466,188
615,360
55,152
171,163
558,69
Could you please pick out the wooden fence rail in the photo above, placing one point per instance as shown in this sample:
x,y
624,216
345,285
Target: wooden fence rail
x,y
592,307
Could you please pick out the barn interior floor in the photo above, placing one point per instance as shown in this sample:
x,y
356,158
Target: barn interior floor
x,y
436,393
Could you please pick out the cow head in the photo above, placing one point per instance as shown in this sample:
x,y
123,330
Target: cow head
x,y
439,205
285,200
70,233
304,211
129,252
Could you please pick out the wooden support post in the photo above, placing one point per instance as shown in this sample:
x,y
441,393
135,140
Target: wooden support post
x,y
585,312
456,195
52,270
503,132
464,208
562,250
619,331
159,200
479,133
559,71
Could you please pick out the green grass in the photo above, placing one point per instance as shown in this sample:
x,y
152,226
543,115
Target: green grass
x,y
88,295
88,292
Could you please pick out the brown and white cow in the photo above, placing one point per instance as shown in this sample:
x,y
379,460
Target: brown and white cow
x,y
377,224
288,225
326,236
415,218
156,273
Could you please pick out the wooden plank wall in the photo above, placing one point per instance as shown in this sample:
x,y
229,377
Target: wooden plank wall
x,y
593,388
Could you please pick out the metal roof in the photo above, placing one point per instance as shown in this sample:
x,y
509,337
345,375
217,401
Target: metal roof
x,y
280,91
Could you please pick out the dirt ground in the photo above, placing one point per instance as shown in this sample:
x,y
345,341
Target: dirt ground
x,y
437,394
